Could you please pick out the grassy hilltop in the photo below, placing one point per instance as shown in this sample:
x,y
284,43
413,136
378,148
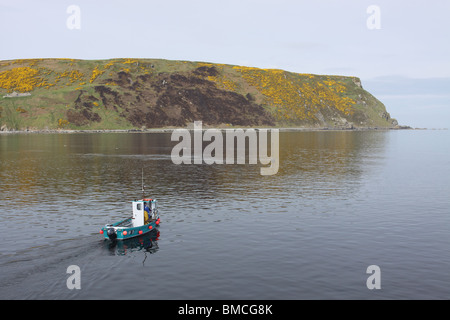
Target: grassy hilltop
x,y
153,93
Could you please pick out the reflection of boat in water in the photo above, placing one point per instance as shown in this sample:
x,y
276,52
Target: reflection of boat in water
x,y
147,243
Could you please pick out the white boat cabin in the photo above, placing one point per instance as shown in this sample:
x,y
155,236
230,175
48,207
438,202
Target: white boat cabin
x,y
143,212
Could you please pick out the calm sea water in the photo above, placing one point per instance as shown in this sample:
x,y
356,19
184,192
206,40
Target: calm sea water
x,y
341,201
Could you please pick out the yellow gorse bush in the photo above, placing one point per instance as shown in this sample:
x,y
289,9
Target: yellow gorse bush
x,y
75,75
22,79
294,97
108,65
72,75
62,123
95,73
221,80
130,61
30,62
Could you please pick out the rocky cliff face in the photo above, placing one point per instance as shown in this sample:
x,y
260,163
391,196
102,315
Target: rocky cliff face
x,y
136,93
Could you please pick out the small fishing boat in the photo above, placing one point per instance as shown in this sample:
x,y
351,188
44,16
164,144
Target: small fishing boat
x,y
144,219
140,223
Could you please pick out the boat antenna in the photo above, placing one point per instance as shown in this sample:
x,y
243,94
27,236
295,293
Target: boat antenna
x,y
143,187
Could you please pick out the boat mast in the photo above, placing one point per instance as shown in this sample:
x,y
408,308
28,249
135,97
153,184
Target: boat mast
x,y
143,187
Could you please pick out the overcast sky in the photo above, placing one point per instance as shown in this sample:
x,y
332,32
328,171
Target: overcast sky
x,y
404,61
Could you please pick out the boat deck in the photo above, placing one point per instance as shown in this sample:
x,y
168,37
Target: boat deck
x,y
125,224
129,224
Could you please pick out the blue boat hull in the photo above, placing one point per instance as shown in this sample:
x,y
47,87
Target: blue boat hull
x,y
124,233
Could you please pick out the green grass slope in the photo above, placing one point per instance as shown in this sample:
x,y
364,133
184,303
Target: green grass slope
x,y
153,93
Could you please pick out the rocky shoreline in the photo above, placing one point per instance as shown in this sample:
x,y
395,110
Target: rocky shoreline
x,y
169,130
